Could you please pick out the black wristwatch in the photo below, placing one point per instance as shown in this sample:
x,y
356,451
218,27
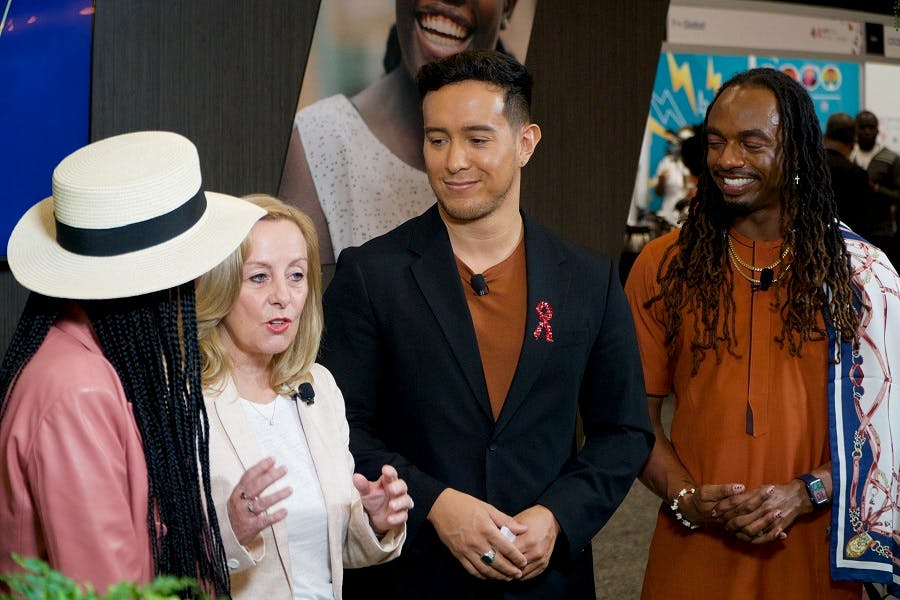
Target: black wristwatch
x,y
815,489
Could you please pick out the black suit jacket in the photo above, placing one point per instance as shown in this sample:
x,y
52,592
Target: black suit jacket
x,y
401,345
884,170
859,206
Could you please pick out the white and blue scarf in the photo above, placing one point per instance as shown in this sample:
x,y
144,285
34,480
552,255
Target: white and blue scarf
x,y
864,423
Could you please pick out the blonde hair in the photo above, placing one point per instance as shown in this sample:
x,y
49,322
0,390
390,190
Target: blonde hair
x,y
218,290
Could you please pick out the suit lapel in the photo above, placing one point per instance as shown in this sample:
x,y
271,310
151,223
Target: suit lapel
x,y
438,279
231,414
326,463
318,444
249,452
547,282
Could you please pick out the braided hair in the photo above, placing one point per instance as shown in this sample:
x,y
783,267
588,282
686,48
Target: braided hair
x,y
151,341
820,278
39,314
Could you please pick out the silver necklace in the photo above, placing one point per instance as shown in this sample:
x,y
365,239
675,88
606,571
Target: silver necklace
x,y
271,419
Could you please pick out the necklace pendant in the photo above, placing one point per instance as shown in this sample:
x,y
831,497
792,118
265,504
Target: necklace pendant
x,y
766,276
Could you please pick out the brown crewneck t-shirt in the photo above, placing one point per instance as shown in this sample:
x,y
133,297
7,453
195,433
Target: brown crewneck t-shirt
x,y
499,319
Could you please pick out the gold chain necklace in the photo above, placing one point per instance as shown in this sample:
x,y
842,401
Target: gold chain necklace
x,y
766,274
750,267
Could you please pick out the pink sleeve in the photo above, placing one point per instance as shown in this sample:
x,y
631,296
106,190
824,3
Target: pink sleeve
x,y
88,478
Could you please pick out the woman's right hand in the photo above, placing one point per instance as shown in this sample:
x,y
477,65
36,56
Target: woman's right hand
x,y
247,510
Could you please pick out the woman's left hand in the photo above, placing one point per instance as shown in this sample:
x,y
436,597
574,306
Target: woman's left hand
x,y
385,500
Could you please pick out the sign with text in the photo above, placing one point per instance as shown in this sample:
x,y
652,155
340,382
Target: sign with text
x,y
730,28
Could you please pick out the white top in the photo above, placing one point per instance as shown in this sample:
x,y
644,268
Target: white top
x,y
863,158
676,187
364,189
278,429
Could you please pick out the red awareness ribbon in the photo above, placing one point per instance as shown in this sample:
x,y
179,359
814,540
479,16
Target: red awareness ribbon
x,y
545,313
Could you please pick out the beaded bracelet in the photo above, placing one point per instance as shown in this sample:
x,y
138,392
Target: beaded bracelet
x,y
678,516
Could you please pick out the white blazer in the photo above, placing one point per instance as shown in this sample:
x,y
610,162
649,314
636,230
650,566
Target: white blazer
x,y
263,569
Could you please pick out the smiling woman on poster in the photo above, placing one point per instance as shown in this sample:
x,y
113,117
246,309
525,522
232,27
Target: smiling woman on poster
x,y
355,164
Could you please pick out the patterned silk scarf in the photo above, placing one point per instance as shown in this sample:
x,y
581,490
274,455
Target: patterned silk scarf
x,y
864,413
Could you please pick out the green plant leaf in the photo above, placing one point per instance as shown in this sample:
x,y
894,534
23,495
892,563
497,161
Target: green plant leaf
x,y
40,582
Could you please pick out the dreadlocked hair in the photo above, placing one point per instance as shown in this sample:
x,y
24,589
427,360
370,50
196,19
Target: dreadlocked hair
x,y
151,342
819,281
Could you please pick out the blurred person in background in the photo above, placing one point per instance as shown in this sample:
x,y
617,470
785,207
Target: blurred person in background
x,y
674,181
883,166
865,210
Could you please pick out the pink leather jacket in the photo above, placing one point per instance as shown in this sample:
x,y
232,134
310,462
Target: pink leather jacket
x,y
73,479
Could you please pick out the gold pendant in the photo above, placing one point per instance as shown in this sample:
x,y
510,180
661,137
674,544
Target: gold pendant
x,y
858,544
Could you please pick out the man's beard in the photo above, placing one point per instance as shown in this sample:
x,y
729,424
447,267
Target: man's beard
x,y
734,209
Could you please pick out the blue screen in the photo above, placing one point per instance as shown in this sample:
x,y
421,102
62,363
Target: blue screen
x,y
45,69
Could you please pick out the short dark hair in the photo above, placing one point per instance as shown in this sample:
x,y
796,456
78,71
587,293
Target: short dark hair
x,y
490,66
866,114
841,127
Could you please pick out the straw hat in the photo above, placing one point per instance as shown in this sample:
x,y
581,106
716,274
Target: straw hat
x,y
127,217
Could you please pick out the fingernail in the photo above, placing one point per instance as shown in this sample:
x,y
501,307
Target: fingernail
x,y
713,513
782,536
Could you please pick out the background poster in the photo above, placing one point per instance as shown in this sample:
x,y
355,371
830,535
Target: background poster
x,y
349,44
45,68
685,84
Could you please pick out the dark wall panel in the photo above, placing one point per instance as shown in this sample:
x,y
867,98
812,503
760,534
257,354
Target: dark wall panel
x,y
593,65
225,73
12,299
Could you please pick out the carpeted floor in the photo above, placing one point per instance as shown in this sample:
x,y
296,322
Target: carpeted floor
x,y
620,549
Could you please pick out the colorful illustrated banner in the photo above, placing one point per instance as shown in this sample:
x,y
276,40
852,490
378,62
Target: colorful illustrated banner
x,y
45,67
686,84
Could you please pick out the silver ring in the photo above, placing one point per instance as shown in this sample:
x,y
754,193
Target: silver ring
x,y
488,557
412,504
250,507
